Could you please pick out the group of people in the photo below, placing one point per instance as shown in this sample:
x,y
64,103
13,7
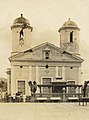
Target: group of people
x,y
18,98
13,98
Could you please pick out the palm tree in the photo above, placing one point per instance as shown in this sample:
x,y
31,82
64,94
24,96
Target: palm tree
x,y
30,84
33,86
2,86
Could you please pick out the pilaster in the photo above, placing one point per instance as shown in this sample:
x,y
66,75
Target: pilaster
x,y
56,71
37,77
63,73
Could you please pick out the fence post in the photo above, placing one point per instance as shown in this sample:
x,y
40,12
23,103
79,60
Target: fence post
x,y
64,95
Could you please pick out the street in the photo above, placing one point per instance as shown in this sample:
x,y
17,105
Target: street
x,y
43,111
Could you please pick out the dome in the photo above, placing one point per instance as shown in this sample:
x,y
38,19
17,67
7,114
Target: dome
x,y
69,24
21,20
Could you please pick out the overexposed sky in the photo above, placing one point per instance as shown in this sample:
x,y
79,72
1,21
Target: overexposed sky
x,y
46,17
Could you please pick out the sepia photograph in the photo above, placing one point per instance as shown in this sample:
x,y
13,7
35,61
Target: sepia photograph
x,y
44,59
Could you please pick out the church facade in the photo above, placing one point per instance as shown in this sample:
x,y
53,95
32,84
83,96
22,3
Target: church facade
x,y
47,64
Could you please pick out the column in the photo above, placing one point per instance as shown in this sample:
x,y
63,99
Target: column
x,y
8,84
67,90
27,88
16,86
63,73
79,81
8,80
37,78
30,73
56,71
13,82
30,78
77,90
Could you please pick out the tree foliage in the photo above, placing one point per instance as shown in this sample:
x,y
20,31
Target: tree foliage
x,y
33,86
3,86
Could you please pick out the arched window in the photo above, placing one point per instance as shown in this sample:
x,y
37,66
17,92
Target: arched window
x,y
21,33
71,36
46,55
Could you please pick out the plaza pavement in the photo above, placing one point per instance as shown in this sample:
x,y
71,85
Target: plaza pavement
x,y
43,111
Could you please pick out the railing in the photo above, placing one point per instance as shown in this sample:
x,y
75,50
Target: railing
x,y
63,96
83,100
57,94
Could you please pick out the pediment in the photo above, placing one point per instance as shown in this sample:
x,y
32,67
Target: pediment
x,y
37,53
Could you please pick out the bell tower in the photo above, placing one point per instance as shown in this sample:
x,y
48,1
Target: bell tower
x,y
21,35
69,37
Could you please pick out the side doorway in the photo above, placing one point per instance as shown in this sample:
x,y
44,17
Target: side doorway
x,y
47,81
21,87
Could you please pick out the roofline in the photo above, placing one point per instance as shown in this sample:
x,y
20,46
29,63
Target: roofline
x,y
49,61
47,43
63,28
28,26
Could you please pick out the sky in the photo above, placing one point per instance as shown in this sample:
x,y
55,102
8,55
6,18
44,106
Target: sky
x,y
46,17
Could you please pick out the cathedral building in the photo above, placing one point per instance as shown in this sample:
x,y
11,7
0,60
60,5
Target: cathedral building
x,y
52,67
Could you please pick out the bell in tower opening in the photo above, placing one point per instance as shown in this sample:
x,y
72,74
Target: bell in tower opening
x,y
21,34
21,38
